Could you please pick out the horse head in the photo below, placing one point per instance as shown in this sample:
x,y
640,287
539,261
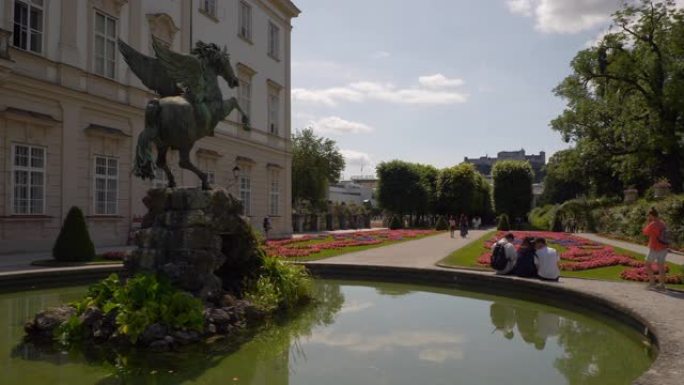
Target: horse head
x,y
218,60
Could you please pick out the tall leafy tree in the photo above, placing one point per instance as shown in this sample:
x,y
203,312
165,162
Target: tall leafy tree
x,y
624,95
565,177
456,189
400,190
316,162
513,187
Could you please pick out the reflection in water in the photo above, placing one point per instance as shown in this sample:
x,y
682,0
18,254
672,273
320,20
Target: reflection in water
x,y
271,343
360,333
587,357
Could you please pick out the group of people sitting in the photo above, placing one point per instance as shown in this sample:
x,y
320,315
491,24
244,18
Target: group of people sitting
x,y
533,259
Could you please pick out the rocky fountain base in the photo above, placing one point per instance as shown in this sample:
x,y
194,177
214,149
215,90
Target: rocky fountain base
x,y
196,241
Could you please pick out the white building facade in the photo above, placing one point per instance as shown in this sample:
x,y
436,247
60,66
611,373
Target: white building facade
x,y
71,111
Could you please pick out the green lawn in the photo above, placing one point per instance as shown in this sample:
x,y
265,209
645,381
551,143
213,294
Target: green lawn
x,y
466,257
329,253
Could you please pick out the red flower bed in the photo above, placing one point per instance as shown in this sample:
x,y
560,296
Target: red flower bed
x,y
308,245
581,254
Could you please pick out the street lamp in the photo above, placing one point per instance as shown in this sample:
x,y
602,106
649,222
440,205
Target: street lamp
x,y
236,172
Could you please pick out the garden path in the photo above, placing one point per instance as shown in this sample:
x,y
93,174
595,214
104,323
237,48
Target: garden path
x,y
671,257
424,252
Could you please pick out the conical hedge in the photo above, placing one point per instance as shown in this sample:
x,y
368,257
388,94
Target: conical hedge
x,y
396,223
74,243
504,224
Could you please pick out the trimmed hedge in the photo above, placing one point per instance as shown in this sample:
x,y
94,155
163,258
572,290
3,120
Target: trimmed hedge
x,y
73,243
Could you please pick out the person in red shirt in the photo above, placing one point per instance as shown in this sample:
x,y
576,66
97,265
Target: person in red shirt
x,y
657,251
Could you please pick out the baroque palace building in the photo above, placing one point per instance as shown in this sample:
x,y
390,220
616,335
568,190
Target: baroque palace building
x,y
71,111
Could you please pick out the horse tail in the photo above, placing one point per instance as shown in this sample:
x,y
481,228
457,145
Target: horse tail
x,y
144,166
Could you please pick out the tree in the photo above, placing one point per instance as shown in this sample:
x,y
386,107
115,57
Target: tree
x,y
456,189
73,243
400,190
624,95
316,162
564,178
513,187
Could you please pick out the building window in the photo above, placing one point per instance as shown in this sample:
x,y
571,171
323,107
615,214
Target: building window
x,y
246,189
273,110
106,185
245,92
208,7
211,177
245,21
160,180
274,193
105,45
28,175
273,40
28,25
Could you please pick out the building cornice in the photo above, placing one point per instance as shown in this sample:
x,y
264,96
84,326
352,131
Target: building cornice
x,y
287,7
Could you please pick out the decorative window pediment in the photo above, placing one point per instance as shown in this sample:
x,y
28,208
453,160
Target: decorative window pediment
x,y
113,7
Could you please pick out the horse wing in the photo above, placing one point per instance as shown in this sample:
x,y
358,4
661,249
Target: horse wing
x,y
150,71
184,69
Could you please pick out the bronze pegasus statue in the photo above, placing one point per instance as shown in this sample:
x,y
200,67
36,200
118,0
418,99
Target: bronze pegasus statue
x,y
189,106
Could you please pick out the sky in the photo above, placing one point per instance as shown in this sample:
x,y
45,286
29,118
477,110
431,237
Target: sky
x,y
435,81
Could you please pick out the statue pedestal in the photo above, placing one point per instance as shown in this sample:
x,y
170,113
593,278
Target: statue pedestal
x,y
181,237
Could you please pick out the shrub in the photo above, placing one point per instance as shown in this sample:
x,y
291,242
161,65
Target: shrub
x,y
442,224
142,301
541,218
280,284
504,224
73,243
396,223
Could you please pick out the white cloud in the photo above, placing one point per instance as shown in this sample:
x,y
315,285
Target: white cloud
x,y
356,306
381,55
439,81
565,16
337,125
431,90
433,346
521,7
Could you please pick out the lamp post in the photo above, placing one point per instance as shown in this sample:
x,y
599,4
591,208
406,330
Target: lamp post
x,y
236,175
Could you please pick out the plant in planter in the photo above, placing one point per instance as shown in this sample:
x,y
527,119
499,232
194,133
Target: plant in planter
x,y
631,194
661,188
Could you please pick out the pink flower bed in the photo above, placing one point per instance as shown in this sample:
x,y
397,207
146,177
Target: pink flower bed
x,y
582,254
312,244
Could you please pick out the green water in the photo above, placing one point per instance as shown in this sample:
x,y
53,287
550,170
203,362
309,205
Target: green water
x,y
363,333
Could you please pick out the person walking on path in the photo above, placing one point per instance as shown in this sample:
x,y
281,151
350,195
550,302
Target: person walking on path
x,y
464,226
657,248
452,225
267,226
546,259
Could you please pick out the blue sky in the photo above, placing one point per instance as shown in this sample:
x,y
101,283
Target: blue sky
x,y
436,80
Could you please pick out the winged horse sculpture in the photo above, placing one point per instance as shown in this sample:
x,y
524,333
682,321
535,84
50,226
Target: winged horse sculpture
x,y
189,106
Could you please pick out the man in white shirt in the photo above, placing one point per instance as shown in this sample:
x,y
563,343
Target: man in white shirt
x,y
511,252
546,259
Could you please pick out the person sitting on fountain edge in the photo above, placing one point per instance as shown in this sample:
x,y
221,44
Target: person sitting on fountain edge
x,y
546,259
509,249
524,265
